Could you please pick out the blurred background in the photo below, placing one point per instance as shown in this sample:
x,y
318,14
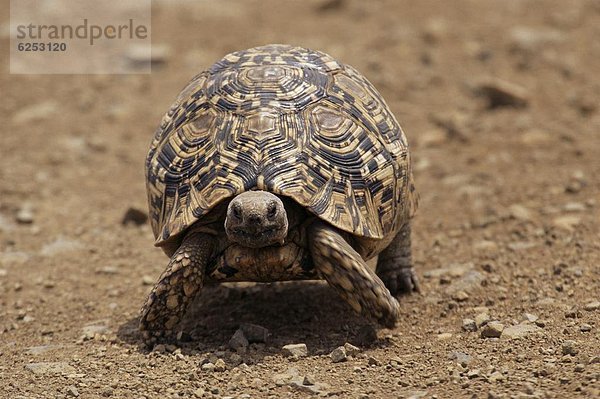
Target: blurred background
x,y
499,101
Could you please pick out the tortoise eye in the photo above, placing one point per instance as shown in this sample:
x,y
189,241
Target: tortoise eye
x,y
237,211
272,211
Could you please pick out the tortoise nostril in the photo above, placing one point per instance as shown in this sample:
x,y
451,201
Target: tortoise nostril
x,y
272,211
236,210
254,218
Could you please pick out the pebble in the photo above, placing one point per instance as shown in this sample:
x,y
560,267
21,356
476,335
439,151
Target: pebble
x,y
141,54
444,336
35,112
338,355
569,347
373,361
220,365
591,306
460,357
519,331
147,280
475,373
60,246
525,38
469,325
585,327
460,296
134,216
351,350
567,222
90,332
25,215
50,368
210,367
500,93
493,329
255,333
530,317
496,376
482,319
238,342
72,391
295,350
519,212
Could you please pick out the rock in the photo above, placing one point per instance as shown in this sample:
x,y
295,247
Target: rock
x,y
567,222
528,39
519,212
591,306
569,347
475,373
338,355
60,246
469,325
351,350
454,125
295,350
147,280
460,296
134,216
25,215
460,357
35,112
519,331
530,317
255,333
486,246
308,380
50,368
585,327
72,391
209,367
444,336
536,137
141,54
496,376
220,365
238,341
482,319
493,329
373,361
90,332
470,280
500,93
574,207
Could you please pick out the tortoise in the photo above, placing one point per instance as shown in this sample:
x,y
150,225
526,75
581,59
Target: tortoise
x,y
280,163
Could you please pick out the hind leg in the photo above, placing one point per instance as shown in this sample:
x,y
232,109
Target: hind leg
x,y
176,287
394,265
347,273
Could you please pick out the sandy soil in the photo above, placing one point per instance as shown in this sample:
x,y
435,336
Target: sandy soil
x,y
506,240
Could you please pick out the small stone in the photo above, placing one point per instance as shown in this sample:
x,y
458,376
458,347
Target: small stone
x,y
351,350
373,361
500,93
469,325
460,357
134,216
519,212
482,319
199,392
493,329
25,215
220,365
90,332
208,367
255,333
519,331
579,368
591,306
475,373
295,350
585,327
496,376
569,347
72,391
238,341
444,336
530,317
35,112
460,296
567,222
147,280
308,380
50,368
338,355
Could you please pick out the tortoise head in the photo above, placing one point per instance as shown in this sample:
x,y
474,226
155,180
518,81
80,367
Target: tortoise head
x,y
256,219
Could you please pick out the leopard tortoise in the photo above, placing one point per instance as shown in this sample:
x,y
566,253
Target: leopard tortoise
x,y
280,163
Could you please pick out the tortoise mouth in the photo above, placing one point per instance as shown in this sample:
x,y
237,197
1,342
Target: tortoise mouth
x,y
257,238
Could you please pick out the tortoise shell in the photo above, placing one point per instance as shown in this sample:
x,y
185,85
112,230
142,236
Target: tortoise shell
x,y
288,120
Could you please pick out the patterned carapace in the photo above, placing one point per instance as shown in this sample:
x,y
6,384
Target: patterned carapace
x,y
287,120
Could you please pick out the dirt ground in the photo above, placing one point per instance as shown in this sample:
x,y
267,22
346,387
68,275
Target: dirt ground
x,y
507,231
